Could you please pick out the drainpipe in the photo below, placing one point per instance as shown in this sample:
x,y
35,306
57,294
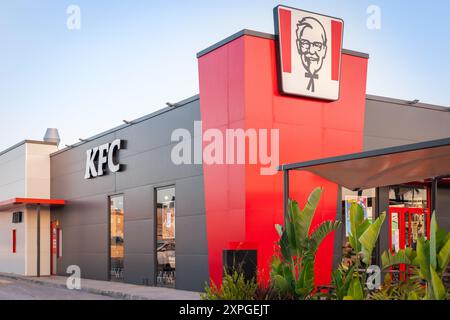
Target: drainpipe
x,y
38,241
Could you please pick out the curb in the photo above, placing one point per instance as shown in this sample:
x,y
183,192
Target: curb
x,y
106,293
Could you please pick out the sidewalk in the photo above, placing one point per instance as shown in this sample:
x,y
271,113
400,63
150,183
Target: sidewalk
x,y
112,289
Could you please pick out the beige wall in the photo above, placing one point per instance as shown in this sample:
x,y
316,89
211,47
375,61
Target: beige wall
x,y
37,170
12,262
25,173
31,247
12,173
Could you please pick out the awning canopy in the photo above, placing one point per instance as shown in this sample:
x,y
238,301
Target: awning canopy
x,y
14,202
383,167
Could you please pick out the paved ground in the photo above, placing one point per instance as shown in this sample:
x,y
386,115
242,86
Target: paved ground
x,y
55,288
11,289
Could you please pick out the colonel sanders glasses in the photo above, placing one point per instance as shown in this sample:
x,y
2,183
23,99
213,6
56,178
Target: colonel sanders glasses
x,y
306,45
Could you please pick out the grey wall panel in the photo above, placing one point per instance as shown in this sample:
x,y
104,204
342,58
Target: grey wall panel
x,y
373,143
190,196
74,186
152,167
191,235
139,237
140,269
85,211
443,207
139,203
90,239
157,131
94,266
148,165
390,124
192,272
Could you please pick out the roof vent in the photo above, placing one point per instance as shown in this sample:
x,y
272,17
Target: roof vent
x,y
52,135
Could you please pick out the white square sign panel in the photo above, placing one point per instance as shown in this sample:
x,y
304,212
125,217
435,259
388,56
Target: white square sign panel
x,y
309,54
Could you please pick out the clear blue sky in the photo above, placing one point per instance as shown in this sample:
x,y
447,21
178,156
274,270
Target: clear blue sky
x,y
130,57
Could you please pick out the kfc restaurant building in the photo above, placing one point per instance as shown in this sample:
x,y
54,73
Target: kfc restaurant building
x,y
121,209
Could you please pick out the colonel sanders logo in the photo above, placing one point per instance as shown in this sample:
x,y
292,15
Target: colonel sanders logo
x,y
309,53
312,47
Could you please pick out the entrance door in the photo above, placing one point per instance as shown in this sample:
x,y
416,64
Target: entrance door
x,y
54,247
406,226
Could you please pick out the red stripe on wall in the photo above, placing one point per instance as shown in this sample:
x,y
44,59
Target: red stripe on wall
x,y
285,39
336,39
14,241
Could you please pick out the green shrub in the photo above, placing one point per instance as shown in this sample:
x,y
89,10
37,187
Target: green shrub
x,y
234,287
292,268
410,289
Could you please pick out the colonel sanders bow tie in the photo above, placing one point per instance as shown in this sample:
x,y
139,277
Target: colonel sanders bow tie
x,y
311,77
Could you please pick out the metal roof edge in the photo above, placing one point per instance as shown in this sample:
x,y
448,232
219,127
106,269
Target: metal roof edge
x,y
25,142
407,103
247,32
136,121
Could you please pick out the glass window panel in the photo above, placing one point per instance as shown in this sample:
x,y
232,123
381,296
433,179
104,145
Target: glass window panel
x,y
117,238
165,237
366,200
408,197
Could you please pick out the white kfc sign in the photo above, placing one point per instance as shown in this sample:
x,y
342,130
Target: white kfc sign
x,y
106,155
309,53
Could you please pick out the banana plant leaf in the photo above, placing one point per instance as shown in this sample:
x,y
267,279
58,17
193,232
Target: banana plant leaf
x,y
442,237
358,226
355,291
284,246
305,283
341,280
291,226
437,285
321,232
422,258
444,256
404,256
307,214
433,230
369,238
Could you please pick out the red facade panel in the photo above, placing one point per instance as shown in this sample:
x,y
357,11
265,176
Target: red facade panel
x,y
239,89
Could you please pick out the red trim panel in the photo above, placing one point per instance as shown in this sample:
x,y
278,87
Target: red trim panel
x,y
336,34
21,201
285,35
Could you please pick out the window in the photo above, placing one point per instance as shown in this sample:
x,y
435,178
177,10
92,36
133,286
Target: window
x,y
165,237
116,238
366,200
408,197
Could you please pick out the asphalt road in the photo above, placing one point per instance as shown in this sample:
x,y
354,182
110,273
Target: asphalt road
x,y
22,290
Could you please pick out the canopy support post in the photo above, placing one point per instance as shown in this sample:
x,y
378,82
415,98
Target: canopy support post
x,y
286,194
434,190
